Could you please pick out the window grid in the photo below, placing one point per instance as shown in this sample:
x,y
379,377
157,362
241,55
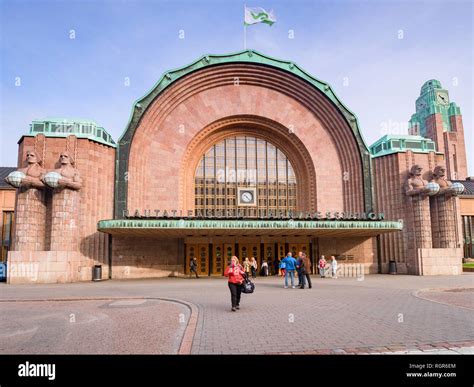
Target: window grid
x,y
243,161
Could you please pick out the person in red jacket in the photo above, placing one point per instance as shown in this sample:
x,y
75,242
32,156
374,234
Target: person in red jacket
x,y
235,272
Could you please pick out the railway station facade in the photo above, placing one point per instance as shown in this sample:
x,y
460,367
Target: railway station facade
x,y
243,155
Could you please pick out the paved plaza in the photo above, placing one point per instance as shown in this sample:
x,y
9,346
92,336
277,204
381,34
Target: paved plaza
x,y
378,314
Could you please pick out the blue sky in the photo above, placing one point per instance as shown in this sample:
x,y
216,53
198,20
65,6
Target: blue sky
x,y
375,54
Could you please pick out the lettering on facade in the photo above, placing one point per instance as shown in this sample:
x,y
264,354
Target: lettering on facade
x,y
242,214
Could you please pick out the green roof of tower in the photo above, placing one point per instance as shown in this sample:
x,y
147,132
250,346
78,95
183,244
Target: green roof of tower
x,y
63,127
429,85
390,144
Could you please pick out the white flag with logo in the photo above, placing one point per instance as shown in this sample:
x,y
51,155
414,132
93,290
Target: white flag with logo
x,y
258,15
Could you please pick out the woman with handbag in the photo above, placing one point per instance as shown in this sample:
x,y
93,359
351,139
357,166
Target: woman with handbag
x,y
235,273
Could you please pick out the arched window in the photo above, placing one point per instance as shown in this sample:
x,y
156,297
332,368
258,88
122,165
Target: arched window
x,y
246,176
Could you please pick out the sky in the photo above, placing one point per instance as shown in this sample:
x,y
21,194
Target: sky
x,y
94,59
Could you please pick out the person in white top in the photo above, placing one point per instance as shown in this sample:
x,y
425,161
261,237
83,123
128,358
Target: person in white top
x,y
333,266
264,268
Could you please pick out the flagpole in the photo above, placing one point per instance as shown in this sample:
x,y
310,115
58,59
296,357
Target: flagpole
x,y
245,31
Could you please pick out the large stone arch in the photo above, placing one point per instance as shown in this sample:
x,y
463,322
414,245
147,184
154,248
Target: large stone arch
x,y
259,127
185,102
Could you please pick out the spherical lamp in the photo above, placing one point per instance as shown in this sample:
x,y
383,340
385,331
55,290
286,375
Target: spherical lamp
x,y
15,178
52,178
457,188
432,188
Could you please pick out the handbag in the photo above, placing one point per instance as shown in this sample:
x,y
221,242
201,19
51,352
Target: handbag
x,y
247,286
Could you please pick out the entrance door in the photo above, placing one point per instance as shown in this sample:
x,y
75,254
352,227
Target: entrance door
x,y
228,253
222,253
281,251
269,256
295,248
201,253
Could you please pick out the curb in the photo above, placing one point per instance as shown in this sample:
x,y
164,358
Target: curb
x,y
416,293
188,336
385,349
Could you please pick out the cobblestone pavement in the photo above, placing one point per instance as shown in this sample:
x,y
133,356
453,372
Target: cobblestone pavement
x,y
378,314
92,327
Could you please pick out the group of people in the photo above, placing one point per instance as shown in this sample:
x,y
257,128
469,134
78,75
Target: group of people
x,y
326,268
288,266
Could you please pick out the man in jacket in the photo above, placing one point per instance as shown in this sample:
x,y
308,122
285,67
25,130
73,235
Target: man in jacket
x,y
299,264
290,266
305,271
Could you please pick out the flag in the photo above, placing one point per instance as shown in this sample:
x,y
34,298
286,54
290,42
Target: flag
x,y
258,15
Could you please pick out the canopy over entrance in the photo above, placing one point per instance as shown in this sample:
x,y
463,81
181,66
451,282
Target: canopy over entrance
x,y
208,227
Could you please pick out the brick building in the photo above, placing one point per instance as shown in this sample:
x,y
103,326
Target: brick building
x,y
7,206
234,154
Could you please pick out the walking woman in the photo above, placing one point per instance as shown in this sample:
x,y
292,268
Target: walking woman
x,y
322,266
247,266
235,274
253,267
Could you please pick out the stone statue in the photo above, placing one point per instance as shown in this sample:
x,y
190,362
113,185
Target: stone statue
x,y
415,184
29,177
439,177
66,176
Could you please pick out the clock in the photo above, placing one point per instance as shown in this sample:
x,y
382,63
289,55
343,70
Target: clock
x,y
442,98
246,196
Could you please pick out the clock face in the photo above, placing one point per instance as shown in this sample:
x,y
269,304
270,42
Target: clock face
x,y
442,98
247,196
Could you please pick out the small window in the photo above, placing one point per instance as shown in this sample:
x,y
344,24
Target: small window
x,y
38,127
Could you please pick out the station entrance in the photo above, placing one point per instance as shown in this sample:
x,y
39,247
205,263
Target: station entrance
x,y
214,256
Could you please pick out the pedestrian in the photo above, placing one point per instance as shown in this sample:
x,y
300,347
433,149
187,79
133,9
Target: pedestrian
x,y
193,267
333,266
322,266
264,269
282,268
235,273
247,266
290,267
276,266
305,271
253,267
299,263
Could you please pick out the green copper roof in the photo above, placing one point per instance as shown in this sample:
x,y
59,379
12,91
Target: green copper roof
x,y
389,144
430,85
63,127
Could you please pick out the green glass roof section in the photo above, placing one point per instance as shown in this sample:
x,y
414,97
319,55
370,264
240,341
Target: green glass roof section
x,y
63,127
390,144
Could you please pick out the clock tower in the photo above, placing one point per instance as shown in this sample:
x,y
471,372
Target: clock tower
x,y
440,120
